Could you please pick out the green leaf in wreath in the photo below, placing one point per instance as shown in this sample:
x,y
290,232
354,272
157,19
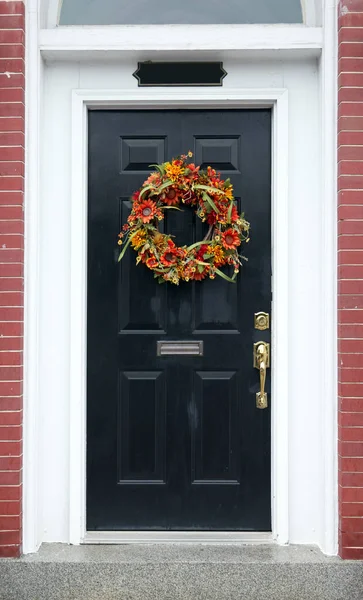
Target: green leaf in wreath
x,y
159,168
146,189
208,199
221,274
171,207
229,214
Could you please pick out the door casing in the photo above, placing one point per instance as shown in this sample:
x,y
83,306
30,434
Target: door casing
x,y
277,100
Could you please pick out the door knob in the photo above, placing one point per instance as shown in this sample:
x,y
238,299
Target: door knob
x,y
261,361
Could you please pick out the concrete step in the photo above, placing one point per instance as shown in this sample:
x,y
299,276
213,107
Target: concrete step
x,y
180,572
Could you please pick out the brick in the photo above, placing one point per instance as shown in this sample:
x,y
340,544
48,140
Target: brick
x,y
8,255
351,34
351,524
9,313
10,404
351,390
350,50
17,109
345,167
11,329
350,138
347,109
352,480
8,417
13,95
11,227
11,492
351,448
347,361
10,433
10,478
11,197
350,65
12,138
11,299
350,94
14,241
350,79
350,196
14,124
347,227
12,51
11,373
11,212
348,375
11,463
15,7
350,182
350,346
349,434
351,211
350,287
11,153
10,523
347,419
351,509
352,405
353,494
12,22
351,553
351,6
344,272
350,302
10,343
10,388
349,242
347,257
10,551
16,284
10,537
11,81
352,540
10,184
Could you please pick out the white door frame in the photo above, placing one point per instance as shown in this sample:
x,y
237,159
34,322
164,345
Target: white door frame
x,y
277,99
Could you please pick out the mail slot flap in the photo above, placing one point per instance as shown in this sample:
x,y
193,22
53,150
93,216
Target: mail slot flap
x,y
170,348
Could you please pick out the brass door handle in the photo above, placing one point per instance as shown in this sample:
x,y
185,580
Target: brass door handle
x,y
261,361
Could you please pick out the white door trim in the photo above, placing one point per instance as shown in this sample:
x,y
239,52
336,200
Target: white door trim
x,y
277,99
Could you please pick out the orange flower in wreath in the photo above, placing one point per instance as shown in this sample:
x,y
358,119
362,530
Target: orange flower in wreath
x,y
230,239
172,196
146,211
170,256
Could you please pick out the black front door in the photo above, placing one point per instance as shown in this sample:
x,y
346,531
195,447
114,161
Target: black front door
x,y
176,442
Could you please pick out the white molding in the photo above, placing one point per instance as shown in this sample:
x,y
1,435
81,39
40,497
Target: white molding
x,y
93,42
178,98
329,355
31,414
178,537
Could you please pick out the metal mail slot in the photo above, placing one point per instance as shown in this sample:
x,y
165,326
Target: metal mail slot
x,y
190,348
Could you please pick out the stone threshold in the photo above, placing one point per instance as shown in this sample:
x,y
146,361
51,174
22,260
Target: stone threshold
x,y
180,572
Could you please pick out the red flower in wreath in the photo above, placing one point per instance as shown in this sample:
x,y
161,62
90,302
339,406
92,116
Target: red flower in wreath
x,y
230,239
172,197
152,262
170,256
200,274
145,210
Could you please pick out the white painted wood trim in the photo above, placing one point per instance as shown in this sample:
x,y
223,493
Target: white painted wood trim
x,y
329,354
177,537
178,98
32,410
63,41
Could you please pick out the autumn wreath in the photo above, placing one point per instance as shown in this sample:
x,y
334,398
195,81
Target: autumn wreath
x,y
170,185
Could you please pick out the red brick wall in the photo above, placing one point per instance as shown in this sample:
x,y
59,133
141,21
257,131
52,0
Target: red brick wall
x,y
350,278
11,271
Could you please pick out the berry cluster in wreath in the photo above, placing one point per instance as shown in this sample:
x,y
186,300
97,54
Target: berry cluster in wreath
x,y
172,185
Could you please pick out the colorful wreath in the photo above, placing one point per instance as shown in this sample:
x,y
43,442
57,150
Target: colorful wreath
x,y
181,182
